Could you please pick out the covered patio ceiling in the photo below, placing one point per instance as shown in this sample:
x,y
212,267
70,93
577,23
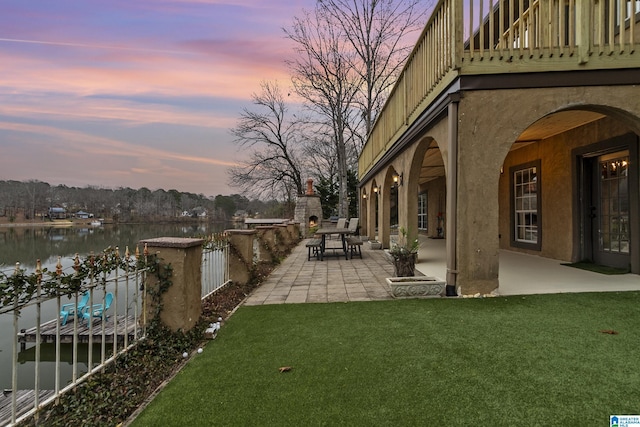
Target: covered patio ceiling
x,y
548,126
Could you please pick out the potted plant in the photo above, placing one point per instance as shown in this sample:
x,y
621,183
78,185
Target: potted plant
x,y
404,254
405,284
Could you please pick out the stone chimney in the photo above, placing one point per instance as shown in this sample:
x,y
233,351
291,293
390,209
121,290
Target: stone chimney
x,y
310,191
308,210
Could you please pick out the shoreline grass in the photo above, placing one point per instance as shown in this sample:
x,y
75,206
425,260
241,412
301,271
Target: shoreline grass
x,y
518,360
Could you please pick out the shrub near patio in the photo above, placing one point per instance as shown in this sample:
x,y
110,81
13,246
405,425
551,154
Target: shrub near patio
x,y
566,359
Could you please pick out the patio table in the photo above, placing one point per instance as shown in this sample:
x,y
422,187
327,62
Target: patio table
x,y
324,232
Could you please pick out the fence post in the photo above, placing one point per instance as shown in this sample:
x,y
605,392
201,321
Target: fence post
x,y
294,232
282,238
181,305
267,243
240,255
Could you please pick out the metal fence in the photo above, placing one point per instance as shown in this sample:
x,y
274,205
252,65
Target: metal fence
x,y
215,264
78,332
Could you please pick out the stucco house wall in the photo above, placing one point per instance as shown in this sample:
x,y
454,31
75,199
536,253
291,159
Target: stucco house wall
x,y
556,186
489,122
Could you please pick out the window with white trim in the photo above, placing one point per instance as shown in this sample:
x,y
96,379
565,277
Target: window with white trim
x,y
526,210
422,211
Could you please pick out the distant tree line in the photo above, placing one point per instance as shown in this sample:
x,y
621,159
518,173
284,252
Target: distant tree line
x,y
32,199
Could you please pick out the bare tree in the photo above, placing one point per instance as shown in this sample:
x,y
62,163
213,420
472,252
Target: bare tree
x,y
273,168
378,32
324,78
349,54
36,198
320,152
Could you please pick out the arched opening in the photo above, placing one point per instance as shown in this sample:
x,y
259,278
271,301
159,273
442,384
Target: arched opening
x,y
389,217
427,186
569,189
364,217
372,209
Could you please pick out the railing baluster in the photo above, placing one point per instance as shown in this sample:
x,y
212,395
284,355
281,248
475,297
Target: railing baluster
x,y
57,356
144,290
481,28
521,27
491,30
622,6
38,321
57,368
561,27
550,28
115,305
601,26
501,27
90,323
632,26
14,359
471,45
103,344
75,323
510,30
571,25
612,25
137,293
127,259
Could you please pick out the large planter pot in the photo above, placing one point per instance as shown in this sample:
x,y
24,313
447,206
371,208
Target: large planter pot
x,y
373,244
405,265
416,286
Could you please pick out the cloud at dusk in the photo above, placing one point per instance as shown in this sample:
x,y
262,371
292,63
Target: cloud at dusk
x,y
114,93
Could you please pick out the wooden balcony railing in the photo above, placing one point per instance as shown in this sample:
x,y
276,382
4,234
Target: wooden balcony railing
x,y
473,37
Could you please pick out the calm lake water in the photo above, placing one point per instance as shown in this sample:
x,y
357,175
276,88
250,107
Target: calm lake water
x,y
28,244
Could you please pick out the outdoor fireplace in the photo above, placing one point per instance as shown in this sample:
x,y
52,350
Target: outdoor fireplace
x,y
308,211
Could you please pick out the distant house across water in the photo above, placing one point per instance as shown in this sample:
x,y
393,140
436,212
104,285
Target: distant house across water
x,y
57,213
83,215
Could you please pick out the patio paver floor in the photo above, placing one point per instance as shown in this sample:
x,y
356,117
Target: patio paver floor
x,y
297,280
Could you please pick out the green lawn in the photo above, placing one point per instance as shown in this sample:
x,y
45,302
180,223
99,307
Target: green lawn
x,y
508,361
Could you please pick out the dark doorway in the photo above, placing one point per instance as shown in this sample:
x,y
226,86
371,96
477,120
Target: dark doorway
x,y
610,205
609,202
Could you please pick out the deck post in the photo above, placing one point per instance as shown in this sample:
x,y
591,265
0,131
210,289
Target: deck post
x,y
583,36
456,30
181,305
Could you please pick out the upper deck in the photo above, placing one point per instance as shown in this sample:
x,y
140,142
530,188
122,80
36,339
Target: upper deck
x,y
494,37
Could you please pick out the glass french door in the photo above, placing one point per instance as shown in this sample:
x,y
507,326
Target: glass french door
x,y
611,232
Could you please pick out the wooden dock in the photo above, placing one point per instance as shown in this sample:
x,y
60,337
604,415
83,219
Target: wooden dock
x,y
48,331
24,403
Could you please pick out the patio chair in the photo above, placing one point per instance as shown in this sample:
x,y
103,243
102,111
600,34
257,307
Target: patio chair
x,y
97,310
342,223
354,246
353,225
70,309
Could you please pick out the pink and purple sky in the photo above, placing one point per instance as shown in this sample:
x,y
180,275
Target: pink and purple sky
x,y
122,93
